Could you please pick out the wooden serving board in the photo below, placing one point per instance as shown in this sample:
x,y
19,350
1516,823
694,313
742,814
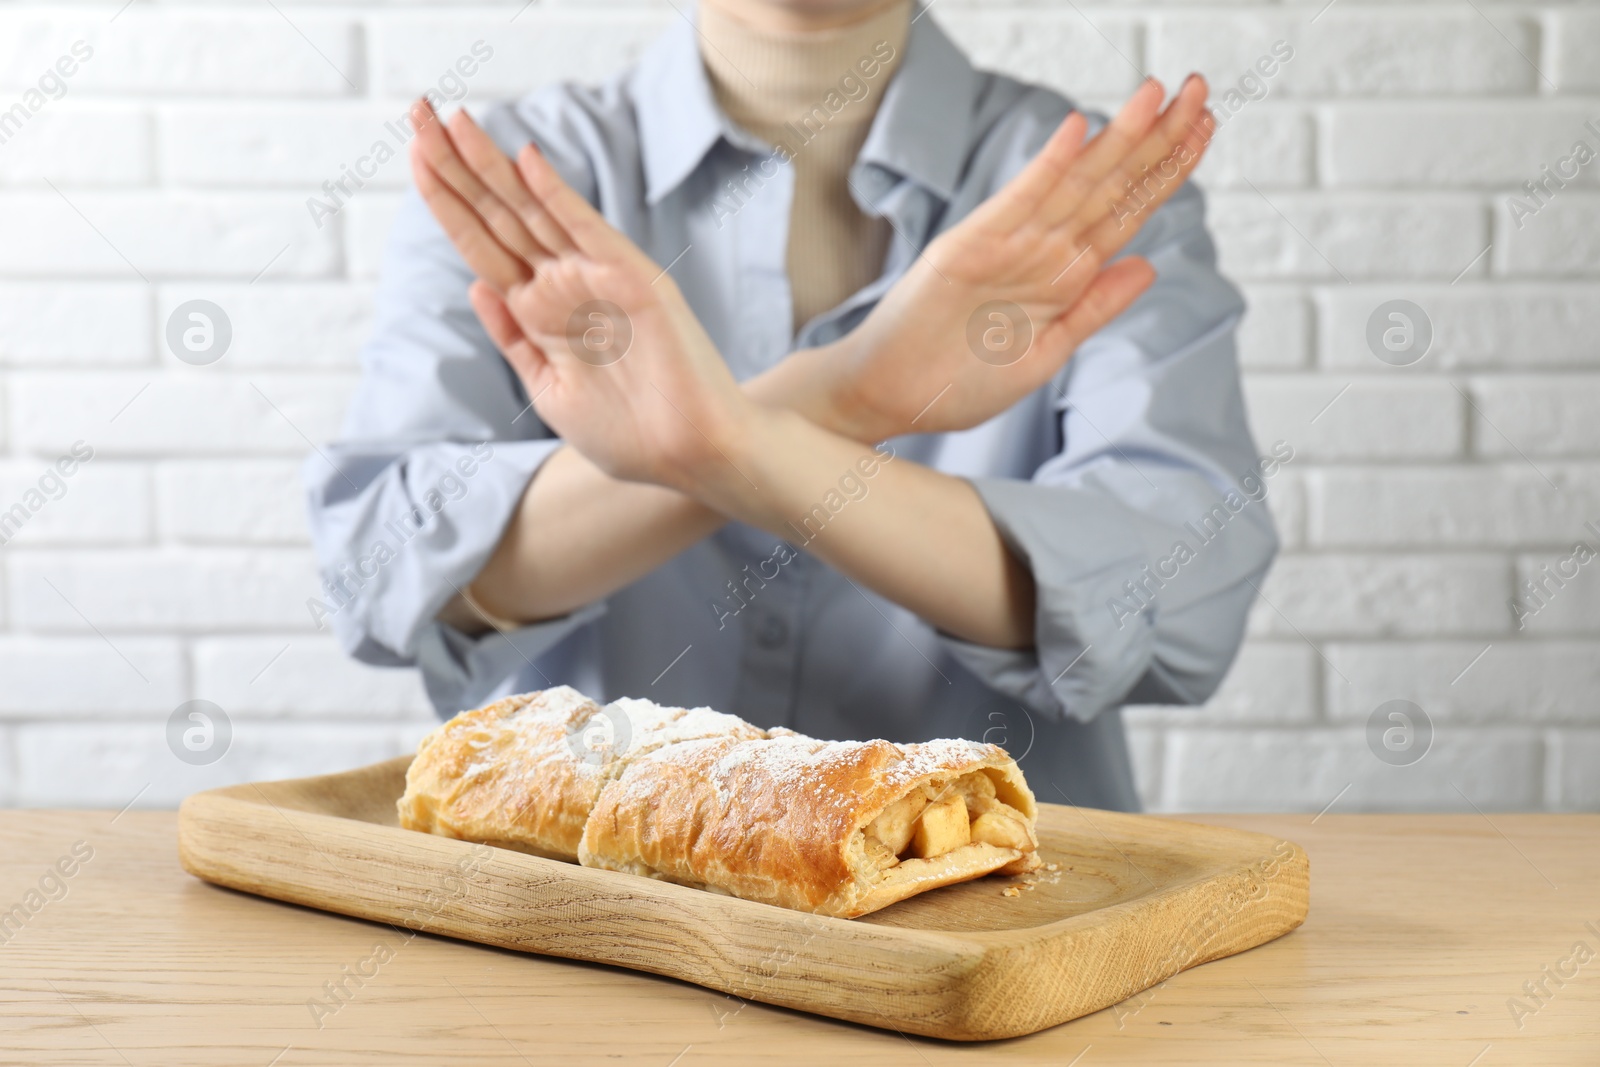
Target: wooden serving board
x,y
1135,900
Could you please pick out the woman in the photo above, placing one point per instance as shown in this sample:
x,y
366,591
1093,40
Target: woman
x,y
638,458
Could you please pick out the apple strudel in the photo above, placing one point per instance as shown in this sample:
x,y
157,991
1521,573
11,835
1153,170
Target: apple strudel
x,y
704,799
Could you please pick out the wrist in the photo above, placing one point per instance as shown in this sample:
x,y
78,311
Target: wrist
x,y
487,613
850,414
715,460
821,385
742,476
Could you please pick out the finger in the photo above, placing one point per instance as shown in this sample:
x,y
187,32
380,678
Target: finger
x,y
589,230
1170,146
1111,293
543,309
422,114
496,317
1104,152
484,255
1080,267
497,173
434,143
524,356
1020,198
1125,216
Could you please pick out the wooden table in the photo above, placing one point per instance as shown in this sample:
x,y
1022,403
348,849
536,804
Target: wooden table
x,y
1422,935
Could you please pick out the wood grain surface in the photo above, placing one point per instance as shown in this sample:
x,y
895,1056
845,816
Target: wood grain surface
x,y
1131,902
1423,932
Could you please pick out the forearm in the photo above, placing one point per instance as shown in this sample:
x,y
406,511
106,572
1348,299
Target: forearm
x,y
576,536
579,534
918,537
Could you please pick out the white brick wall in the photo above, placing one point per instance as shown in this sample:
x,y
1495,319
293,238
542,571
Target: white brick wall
x,y
1377,166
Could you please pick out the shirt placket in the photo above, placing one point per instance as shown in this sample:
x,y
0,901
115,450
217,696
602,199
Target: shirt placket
x,y
772,583
765,307
774,595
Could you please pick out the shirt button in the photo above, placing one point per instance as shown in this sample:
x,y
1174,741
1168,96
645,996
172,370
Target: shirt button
x,y
772,632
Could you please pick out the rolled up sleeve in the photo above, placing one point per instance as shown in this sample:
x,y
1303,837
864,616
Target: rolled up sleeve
x,y
437,449
1148,532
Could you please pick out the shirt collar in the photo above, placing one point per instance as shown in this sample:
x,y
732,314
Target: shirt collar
x,y
921,131
679,120
923,127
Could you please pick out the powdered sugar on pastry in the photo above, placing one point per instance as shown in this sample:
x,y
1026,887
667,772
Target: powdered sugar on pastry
x,y
695,796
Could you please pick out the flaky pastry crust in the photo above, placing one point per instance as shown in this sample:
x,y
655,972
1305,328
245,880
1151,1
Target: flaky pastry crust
x,y
707,800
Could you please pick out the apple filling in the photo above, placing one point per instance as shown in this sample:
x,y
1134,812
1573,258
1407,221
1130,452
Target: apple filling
x,y
939,818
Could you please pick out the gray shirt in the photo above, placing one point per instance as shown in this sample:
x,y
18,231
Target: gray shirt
x,y
1129,485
